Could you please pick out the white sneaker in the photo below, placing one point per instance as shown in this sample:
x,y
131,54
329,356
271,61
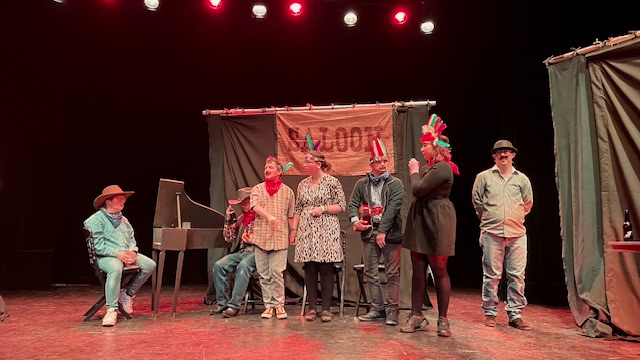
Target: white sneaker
x,y
126,301
110,317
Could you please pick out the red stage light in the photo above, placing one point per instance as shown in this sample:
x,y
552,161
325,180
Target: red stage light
x,y
295,8
400,17
215,3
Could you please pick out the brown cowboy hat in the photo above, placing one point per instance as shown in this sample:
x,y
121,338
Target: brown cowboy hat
x,y
242,194
109,191
503,144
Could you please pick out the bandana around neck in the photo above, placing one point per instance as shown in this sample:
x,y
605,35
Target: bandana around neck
x,y
248,217
273,185
454,167
375,180
115,219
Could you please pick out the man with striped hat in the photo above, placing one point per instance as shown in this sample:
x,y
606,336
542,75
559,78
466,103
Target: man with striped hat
x,y
374,211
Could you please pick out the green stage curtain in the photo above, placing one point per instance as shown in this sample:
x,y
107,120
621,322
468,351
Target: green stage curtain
x,y
595,105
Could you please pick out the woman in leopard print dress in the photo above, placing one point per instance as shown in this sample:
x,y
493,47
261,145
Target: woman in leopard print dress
x,y
319,200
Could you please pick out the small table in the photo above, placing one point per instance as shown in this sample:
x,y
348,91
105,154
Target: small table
x,y
633,246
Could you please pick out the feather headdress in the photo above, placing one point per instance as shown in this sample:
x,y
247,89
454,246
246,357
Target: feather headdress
x,y
432,131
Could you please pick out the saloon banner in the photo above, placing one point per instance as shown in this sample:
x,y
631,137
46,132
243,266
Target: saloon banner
x,y
344,134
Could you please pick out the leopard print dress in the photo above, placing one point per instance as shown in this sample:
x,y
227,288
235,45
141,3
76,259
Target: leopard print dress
x,y
318,237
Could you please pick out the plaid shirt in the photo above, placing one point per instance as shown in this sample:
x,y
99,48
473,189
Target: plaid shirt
x,y
280,205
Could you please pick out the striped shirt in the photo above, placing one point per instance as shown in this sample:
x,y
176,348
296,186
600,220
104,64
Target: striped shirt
x,y
501,204
280,205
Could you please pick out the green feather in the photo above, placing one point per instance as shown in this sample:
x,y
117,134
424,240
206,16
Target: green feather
x,y
310,142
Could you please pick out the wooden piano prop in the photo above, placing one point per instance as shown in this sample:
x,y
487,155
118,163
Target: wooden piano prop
x,y
180,224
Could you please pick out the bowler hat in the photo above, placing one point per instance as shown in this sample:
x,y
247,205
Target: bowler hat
x,y
242,194
109,192
503,144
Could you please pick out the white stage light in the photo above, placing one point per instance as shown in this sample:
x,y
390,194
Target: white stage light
x,y
295,8
152,4
350,19
215,3
259,11
400,17
427,27
59,1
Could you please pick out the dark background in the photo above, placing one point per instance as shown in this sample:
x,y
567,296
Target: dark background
x,y
96,92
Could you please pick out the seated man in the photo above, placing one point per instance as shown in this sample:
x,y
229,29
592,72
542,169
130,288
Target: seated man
x,y
115,248
241,258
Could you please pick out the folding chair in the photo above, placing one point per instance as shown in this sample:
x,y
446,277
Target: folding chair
x,y
338,269
127,275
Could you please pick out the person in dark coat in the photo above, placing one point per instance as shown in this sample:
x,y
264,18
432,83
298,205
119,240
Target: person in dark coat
x,y
430,233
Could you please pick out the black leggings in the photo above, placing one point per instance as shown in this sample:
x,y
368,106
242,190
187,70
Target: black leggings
x,y
418,282
327,282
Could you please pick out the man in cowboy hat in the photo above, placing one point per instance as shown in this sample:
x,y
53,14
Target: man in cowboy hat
x,y
377,198
502,196
115,247
241,259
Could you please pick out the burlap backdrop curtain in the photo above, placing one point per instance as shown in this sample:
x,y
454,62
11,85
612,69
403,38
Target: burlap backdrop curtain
x,y
238,147
595,105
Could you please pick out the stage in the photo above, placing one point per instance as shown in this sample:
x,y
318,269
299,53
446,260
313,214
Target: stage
x,y
49,325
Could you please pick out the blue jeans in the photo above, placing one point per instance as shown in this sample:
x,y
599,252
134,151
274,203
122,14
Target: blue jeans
x,y
497,250
371,253
243,264
113,267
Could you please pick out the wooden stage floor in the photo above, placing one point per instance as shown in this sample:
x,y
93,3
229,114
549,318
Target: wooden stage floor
x,y
49,325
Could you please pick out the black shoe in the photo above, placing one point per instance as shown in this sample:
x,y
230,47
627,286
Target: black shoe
x,y
372,316
217,309
519,324
392,317
229,312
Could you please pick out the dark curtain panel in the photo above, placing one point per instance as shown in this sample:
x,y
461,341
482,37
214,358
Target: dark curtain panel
x,y
578,187
407,130
615,82
238,146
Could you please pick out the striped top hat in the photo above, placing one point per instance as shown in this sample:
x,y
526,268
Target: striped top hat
x,y
378,151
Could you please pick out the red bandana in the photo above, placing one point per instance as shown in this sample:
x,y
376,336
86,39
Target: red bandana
x,y
248,217
273,185
454,167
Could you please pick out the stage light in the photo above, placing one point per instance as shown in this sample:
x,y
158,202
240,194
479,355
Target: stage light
x,y
215,3
59,1
400,17
259,11
295,8
350,19
427,27
152,4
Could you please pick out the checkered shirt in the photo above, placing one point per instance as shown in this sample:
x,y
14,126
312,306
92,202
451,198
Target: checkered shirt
x,y
280,205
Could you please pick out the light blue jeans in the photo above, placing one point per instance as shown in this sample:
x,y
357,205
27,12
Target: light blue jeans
x,y
371,254
271,265
113,267
243,264
497,250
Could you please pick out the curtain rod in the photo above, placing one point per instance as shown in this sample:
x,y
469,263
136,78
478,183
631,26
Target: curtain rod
x,y
596,46
273,110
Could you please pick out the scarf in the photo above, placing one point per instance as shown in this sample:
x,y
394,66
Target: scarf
x,y
115,219
454,167
248,217
273,185
375,180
